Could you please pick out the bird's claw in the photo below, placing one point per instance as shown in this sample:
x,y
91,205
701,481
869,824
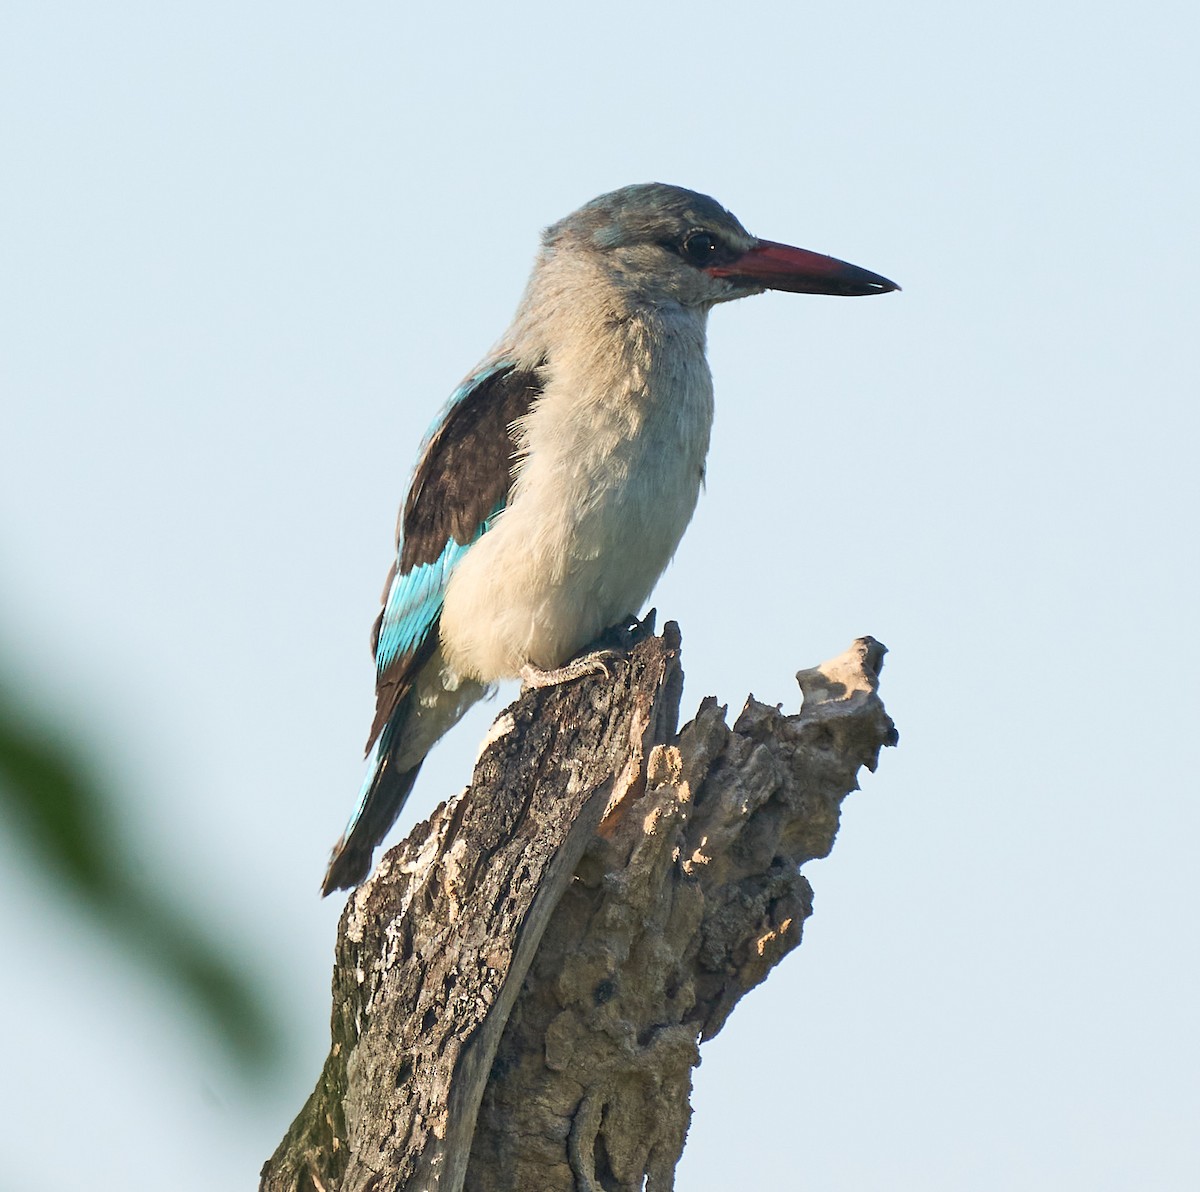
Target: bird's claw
x,y
596,663
614,642
626,633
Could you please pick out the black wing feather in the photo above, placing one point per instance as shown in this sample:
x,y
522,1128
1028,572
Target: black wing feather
x,y
466,470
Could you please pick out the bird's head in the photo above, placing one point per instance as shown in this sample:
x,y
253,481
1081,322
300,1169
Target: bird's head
x,y
665,243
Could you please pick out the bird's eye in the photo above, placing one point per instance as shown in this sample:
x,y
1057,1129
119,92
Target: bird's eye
x,y
700,248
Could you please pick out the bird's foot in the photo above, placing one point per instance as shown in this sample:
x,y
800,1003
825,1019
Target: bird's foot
x,y
595,663
626,633
615,641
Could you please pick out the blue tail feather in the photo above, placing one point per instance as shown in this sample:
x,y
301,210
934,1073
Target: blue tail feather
x,y
383,795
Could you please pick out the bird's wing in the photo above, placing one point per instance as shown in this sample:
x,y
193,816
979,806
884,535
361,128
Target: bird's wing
x,y
461,483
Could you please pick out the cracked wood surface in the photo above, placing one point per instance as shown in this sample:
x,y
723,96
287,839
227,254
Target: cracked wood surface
x,y
522,986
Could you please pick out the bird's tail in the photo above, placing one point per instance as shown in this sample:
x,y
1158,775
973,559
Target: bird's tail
x,y
383,794
418,719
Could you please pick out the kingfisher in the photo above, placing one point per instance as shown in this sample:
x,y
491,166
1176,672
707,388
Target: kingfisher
x,y
554,486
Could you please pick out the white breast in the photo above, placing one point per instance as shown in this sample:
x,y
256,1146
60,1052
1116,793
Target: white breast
x,y
613,459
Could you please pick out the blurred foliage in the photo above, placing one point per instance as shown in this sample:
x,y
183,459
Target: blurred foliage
x,y
64,814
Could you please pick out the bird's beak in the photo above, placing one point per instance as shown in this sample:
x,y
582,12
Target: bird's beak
x,y
781,267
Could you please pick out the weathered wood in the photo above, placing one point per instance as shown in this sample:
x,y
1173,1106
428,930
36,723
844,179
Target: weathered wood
x,y
522,986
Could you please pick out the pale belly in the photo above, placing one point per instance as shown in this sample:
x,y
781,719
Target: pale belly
x,y
591,527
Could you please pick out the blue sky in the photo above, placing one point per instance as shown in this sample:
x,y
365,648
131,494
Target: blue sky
x,y
246,252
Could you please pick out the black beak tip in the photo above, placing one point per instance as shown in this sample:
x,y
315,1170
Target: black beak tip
x,y
873,283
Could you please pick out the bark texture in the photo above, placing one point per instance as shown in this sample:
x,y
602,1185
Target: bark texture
x,y
521,987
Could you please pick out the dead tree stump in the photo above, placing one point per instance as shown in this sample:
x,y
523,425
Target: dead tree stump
x,y
521,987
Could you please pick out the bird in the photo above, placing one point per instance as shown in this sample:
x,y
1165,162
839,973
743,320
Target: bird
x,y
554,486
